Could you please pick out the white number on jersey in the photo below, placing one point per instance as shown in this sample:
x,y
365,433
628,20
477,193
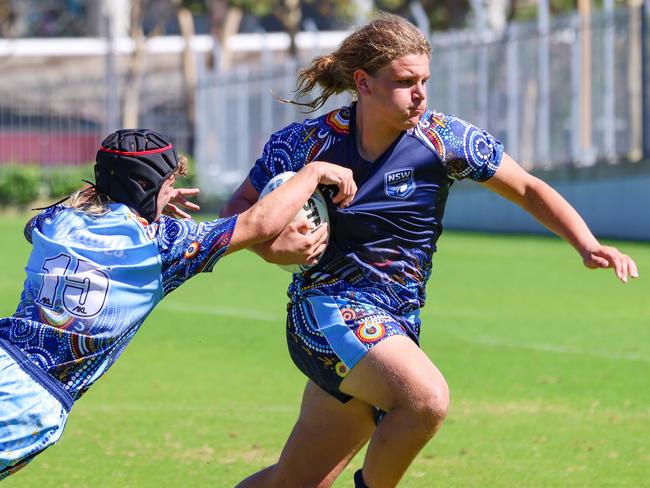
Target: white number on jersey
x,y
84,290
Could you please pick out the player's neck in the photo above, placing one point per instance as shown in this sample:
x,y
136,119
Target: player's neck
x,y
373,136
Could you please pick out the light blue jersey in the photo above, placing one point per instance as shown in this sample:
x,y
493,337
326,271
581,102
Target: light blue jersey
x,y
92,281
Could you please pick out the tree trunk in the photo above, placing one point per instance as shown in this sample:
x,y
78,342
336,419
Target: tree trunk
x,y
290,15
186,23
225,22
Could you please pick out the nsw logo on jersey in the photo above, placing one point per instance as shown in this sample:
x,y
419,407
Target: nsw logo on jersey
x,y
399,183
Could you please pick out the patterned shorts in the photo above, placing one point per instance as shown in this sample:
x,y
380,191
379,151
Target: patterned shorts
x,y
31,419
328,335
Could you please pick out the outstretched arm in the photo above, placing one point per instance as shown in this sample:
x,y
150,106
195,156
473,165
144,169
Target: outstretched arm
x,y
545,204
266,218
296,244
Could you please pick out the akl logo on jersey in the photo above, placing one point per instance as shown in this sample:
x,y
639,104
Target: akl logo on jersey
x,y
399,183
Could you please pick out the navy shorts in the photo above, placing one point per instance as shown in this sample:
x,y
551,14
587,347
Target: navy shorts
x,y
328,335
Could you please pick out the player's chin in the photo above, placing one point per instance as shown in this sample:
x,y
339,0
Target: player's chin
x,y
411,122
413,117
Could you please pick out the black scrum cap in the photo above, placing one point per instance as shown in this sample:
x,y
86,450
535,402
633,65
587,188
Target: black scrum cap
x,y
131,166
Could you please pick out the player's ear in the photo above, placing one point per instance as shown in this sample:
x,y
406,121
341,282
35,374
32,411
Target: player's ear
x,y
361,82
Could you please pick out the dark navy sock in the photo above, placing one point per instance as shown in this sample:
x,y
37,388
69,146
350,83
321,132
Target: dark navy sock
x,y
358,480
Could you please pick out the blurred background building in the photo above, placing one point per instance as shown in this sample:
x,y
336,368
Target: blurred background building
x,y
563,83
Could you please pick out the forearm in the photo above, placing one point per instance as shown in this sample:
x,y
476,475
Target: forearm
x,y
273,212
264,219
556,214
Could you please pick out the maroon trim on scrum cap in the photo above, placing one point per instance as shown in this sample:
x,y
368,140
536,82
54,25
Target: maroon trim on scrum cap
x,y
136,153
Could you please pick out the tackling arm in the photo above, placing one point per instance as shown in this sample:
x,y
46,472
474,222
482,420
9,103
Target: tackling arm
x,y
512,182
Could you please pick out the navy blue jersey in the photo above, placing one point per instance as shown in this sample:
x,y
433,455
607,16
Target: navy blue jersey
x,y
381,246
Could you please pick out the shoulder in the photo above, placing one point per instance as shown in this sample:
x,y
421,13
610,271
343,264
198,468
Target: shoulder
x,y
464,149
334,123
297,144
442,131
46,217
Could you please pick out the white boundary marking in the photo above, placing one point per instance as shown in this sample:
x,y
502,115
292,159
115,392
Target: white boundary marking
x,y
486,341
225,312
556,348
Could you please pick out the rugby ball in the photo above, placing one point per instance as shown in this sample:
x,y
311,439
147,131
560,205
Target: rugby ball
x,y
314,210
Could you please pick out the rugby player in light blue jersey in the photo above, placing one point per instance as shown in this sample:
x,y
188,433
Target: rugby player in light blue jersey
x,y
101,263
353,324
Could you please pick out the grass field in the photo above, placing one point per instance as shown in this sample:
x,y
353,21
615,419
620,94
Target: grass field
x,y
548,364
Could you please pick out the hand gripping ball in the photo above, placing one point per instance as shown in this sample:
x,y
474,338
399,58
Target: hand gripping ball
x,y
314,210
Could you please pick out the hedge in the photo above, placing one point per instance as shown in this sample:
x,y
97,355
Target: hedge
x,y
22,184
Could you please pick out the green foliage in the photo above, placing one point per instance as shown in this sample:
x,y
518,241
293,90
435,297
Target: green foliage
x,y
19,184
22,184
60,181
443,14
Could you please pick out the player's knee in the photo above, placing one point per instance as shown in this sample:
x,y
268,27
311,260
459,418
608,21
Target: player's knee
x,y
429,405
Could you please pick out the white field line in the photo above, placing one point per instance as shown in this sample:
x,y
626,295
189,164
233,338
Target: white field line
x,y
555,348
486,341
208,408
225,312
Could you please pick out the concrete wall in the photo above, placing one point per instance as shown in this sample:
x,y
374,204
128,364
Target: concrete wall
x,y
614,200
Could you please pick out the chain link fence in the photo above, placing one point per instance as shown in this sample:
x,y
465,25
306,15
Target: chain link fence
x,y
565,94
526,86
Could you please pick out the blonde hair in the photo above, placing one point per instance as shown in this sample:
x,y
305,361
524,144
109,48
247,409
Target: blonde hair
x,y
93,202
369,48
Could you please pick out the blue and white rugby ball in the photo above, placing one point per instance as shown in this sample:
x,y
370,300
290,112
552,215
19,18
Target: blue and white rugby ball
x,y
314,210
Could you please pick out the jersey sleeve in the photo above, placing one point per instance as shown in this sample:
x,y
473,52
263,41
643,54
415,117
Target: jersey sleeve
x,y
37,221
465,150
187,247
281,153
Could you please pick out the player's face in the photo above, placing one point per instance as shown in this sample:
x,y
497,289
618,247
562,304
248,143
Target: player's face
x,y
165,195
397,92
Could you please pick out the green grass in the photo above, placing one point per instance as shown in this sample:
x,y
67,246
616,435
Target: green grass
x,y
548,364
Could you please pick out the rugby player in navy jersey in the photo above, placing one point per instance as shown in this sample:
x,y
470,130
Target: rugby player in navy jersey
x,y
353,323
99,265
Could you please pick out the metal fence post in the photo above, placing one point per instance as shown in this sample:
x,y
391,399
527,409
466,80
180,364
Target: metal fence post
x,y
588,155
512,66
453,53
267,94
645,76
111,120
609,116
543,141
576,81
241,103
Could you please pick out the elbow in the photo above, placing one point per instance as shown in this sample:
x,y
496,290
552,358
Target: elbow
x,y
533,192
236,205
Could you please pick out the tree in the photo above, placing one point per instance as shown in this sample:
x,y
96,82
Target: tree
x,y
443,14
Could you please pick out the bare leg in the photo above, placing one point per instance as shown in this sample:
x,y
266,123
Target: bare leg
x,y
326,437
399,378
